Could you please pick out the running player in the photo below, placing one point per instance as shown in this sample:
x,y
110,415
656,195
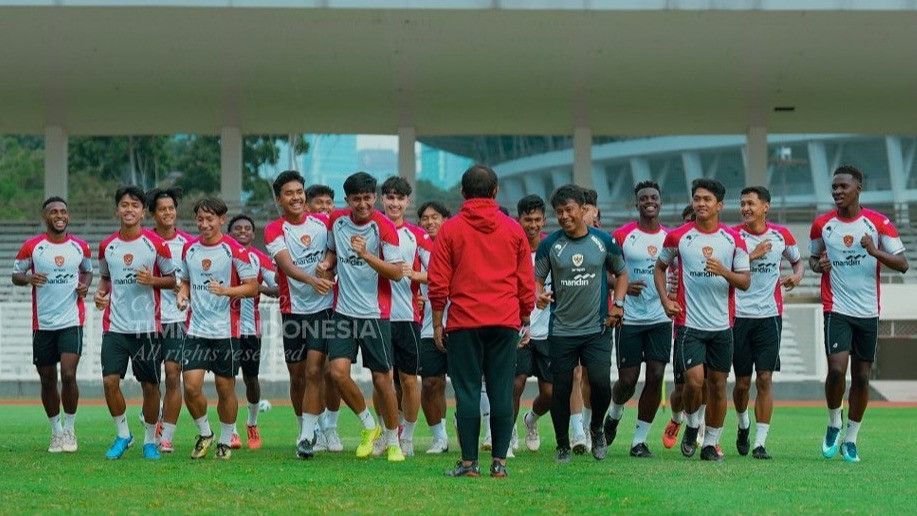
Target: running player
x,y
216,271
365,245
163,207
242,229
135,265
58,268
758,323
646,334
433,364
577,257
297,242
532,357
847,247
712,262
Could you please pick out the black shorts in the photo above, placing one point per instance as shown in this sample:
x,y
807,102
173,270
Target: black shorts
x,y
222,356
172,340
406,346
756,342
638,343
534,360
433,362
250,360
372,337
142,349
568,352
712,349
858,335
49,345
303,333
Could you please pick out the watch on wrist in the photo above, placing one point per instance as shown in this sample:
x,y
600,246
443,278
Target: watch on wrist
x,y
619,303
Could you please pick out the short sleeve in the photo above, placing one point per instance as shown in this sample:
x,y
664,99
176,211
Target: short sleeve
x,y
740,260
889,241
388,242
242,263
23,262
164,259
543,259
274,240
669,249
103,263
86,263
816,242
614,258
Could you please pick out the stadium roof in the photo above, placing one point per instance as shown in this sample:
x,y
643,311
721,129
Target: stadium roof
x,y
458,67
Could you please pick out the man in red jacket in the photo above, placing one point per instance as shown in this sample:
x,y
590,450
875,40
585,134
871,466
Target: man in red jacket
x,y
481,263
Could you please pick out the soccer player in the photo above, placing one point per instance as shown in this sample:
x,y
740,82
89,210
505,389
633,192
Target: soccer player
x,y
242,229
576,257
646,333
481,265
297,242
57,267
366,247
532,357
405,316
847,247
712,262
216,271
433,364
163,207
676,400
320,199
758,323
135,265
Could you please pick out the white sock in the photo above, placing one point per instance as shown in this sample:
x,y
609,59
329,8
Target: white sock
x,y
616,411
485,410
149,433
331,419
401,419
576,421
168,431
439,430
391,436
408,433
367,419
203,426
835,418
761,433
853,427
322,423
252,414
744,421
587,419
69,421
226,431
530,418
56,428
307,428
679,417
235,431
712,437
121,425
643,430
703,414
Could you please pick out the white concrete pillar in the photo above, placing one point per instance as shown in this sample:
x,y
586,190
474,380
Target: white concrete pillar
x,y
582,156
600,183
534,185
821,176
896,172
231,167
407,156
56,149
756,157
640,170
560,177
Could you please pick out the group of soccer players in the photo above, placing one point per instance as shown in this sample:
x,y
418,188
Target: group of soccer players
x,y
705,295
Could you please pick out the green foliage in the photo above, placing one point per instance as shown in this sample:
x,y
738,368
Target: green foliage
x,y
21,177
427,191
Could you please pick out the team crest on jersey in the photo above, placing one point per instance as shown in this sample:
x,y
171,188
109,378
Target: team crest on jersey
x,y
577,259
652,250
848,240
708,251
306,240
205,264
59,261
128,259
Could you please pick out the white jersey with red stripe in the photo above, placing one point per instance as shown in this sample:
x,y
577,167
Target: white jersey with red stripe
x,y
209,315
707,301
426,327
55,304
170,311
851,287
361,291
540,320
764,298
416,246
306,242
248,310
641,250
133,308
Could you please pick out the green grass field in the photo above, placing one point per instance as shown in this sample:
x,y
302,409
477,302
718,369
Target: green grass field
x,y
272,480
